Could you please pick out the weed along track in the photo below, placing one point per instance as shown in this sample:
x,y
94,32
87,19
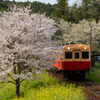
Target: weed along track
x,y
92,89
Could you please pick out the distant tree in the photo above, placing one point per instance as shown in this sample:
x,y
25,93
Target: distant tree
x,y
24,38
72,13
39,7
80,14
48,9
92,8
3,6
36,6
86,2
62,9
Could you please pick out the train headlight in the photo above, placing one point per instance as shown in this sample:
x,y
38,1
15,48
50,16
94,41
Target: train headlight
x,y
85,48
68,48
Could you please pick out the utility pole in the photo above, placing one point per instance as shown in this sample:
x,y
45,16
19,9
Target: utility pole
x,y
90,40
90,35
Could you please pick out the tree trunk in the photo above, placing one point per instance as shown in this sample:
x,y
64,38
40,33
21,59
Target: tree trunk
x,y
17,87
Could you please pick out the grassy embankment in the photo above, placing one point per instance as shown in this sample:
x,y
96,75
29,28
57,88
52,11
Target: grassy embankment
x,y
45,88
94,74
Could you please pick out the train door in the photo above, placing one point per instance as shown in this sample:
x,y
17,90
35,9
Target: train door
x,y
77,60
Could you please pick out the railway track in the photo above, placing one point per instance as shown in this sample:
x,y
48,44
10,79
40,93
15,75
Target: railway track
x,y
90,87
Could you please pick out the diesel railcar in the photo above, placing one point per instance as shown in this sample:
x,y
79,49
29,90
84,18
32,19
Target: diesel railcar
x,y
75,61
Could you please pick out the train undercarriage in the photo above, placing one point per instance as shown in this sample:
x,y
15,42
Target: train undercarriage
x,y
76,75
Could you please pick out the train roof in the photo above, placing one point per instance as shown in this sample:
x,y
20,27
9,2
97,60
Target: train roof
x,y
76,45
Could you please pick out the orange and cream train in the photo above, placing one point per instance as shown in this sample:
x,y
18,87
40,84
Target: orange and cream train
x,y
75,61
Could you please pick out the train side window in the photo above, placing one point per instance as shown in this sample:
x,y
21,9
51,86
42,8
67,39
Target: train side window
x,y
85,54
68,55
76,55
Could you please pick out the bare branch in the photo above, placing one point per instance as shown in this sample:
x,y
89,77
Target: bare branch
x,y
7,73
6,83
21,81
11,82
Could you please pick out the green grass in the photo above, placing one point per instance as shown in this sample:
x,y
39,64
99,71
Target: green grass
x,y
94,74
43,88
7,92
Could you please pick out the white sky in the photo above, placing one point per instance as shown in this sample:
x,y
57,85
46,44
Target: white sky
x,y
71,2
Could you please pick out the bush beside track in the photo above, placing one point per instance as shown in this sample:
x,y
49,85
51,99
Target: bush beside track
x,y
94,74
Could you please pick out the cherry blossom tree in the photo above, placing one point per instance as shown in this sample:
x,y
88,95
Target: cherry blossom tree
x,y
82,32
65,28
24,38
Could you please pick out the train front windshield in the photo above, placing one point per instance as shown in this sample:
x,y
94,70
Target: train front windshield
x,y
68,55
85,54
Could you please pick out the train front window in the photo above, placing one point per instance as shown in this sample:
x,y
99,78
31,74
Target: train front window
x,y
76,55
68,55
85,54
